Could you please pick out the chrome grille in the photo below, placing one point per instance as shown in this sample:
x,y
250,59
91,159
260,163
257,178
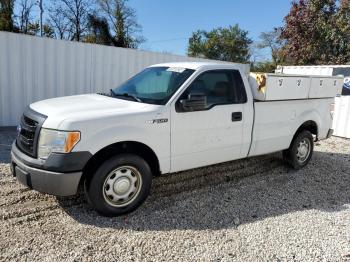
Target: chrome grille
x,y
28,134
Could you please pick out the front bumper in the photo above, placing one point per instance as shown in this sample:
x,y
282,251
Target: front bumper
x,y
33,173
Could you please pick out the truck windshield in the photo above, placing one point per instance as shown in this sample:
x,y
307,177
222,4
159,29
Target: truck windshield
x,y
154,85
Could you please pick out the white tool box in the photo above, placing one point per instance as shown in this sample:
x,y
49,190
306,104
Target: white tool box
x,y
269,87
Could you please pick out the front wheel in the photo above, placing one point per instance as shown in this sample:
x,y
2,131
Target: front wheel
x,y
120,185
300,151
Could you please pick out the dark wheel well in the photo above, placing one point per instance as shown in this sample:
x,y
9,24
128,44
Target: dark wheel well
x,y
310,126
130,147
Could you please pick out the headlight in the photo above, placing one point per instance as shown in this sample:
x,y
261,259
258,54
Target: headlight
x,y
56,141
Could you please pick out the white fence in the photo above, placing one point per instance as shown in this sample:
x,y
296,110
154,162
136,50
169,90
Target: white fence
x,y
35,68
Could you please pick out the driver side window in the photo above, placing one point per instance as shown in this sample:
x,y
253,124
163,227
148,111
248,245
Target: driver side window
x,y
218,87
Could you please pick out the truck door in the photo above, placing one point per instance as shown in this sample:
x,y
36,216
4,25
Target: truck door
x,y
207,121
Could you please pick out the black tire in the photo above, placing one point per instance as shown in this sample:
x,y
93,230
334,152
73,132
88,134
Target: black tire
x,y
96,187
292,154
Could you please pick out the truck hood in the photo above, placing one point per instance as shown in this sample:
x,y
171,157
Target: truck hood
x,y
86,107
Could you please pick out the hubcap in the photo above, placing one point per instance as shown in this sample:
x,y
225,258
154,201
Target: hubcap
x,y
122,186
303,150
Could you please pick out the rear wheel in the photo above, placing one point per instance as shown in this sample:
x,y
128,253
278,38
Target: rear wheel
x,y
120,185
300,151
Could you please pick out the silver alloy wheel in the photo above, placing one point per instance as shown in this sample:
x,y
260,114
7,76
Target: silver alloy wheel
x,y
122,186
303,150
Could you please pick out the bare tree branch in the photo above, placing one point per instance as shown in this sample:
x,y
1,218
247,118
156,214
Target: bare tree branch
x,y
76,12
59,22
24,15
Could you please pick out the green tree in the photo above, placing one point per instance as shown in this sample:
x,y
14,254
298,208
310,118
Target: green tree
x,y
272,41
263,67
226,44
122,22
99,31
34,29
343,23
48,31
317,32
6,15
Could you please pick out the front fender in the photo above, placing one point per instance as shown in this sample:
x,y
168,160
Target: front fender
x,y
156,137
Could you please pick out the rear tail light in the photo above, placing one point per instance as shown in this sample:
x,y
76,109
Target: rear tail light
x,y
331,110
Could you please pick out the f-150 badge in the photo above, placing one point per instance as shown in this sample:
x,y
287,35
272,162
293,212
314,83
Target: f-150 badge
x,y
157,121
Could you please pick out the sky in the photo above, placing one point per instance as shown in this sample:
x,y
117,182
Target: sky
x,y
167,24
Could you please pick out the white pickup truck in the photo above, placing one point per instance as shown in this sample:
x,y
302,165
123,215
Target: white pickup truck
x,y
168,118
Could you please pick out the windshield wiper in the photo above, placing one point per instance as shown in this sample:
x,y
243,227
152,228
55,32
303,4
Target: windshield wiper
x,y
112,92
126,95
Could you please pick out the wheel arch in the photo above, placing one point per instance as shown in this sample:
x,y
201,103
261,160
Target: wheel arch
x,y
131,147
308,125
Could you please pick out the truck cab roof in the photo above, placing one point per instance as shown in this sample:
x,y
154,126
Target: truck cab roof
x,y
206,65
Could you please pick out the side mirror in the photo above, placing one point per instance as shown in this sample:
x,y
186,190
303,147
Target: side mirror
x,y
194,102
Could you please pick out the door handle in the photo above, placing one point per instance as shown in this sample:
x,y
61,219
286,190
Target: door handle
x,y
236,116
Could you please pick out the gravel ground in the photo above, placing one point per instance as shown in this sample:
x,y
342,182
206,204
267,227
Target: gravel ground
x,y
249,210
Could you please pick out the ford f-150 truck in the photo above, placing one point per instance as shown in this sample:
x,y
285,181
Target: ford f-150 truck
x,y
168,118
